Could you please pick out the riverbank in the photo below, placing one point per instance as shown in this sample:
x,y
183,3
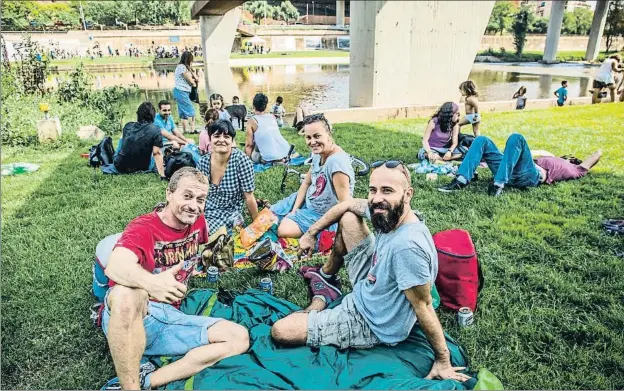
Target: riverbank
x,y
536,56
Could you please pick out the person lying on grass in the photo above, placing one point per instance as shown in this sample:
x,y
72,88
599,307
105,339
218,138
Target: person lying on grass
x,y
330,180
231,179
149,271
441,138
515,167
391,273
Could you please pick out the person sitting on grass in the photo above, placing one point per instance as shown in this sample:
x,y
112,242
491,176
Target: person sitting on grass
x,y
216,102
211,116
171,135
231,179
149,271
515,166
392,272
140,142
330,180
441,138
264,142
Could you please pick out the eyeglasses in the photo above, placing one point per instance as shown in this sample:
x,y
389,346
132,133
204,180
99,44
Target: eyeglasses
x,y
392,164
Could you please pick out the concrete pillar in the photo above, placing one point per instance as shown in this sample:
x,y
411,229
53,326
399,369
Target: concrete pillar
x,y
217,34
597,28
554,31
340,13
412,52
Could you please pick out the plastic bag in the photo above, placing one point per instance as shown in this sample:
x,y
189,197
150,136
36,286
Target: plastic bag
x,y
258,227
18,168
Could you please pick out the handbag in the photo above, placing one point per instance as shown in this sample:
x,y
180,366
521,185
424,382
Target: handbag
x,y
193,95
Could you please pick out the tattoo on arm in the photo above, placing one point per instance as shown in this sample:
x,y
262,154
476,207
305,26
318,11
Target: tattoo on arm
x,y
359,207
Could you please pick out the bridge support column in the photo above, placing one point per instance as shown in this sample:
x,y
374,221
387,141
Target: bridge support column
x,y
412,52
597,28
340,13
217,34
554,31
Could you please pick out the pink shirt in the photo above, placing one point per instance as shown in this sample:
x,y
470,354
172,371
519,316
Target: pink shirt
x,y
558,169
204,142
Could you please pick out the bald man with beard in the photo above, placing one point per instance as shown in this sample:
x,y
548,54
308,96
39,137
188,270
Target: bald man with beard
x,y
391,272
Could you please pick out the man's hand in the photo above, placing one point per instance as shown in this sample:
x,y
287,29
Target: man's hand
x,y
433,156
447,156
306,245
164,286
443,370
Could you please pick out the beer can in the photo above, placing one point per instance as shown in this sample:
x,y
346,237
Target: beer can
x,y
266,285
212,275
465,317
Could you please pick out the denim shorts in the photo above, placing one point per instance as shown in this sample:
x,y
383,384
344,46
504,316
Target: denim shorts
x,y
303,217
169,331
343,326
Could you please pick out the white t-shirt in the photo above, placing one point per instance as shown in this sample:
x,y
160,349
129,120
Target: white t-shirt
x,y
605,72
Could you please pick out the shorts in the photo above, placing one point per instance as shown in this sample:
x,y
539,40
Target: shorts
x,y
602,84
168,331
343,326
303,217
460,150
473,118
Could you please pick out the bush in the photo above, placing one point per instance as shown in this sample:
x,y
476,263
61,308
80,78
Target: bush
x,y
77,87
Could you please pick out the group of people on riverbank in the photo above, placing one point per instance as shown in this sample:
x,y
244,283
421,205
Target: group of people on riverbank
x,y
392,269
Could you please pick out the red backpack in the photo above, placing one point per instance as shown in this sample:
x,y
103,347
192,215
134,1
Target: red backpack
x,y
459,274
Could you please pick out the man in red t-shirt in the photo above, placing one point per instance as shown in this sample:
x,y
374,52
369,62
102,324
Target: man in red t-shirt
x,y
149,271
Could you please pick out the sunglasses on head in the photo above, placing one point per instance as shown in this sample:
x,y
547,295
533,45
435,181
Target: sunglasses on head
x,y
387,163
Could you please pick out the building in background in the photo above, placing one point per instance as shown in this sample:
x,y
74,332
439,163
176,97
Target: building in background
x,y
543,8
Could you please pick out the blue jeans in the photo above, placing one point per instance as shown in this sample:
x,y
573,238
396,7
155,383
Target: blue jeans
x,y
303,216
514,167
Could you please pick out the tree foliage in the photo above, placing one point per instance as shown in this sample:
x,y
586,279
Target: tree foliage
x,y
154,12
577,22
284,10
501,17
614,26
522,20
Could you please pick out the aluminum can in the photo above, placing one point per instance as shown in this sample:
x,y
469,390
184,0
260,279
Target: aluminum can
x,y
465,317
266,285
212,275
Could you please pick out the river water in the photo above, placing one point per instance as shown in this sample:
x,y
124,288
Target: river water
x,y
327,86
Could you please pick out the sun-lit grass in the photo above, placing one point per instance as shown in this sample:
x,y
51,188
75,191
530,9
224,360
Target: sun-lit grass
x,y
550,316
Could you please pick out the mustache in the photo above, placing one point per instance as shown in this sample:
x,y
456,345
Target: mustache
x,y
379,205
190,211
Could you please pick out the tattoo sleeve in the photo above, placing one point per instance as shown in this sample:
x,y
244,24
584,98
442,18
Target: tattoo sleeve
x,y
359,207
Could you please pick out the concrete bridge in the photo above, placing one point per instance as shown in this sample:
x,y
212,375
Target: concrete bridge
x,y
402,52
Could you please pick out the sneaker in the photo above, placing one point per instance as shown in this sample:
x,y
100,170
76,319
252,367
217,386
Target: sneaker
x,y
319,286
495,191
455,185
303,270
145,369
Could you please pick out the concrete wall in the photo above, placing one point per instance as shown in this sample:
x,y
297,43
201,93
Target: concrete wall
x,y
412,52
373,114
538,42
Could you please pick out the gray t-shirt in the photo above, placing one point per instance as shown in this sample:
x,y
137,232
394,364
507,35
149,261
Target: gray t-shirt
x,y
403,259
321,195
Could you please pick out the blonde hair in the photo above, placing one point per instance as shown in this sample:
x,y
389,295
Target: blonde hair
x,y
186,172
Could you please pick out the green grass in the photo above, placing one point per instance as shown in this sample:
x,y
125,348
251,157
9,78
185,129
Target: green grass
x,y
106,60
550,316
537,55
300,54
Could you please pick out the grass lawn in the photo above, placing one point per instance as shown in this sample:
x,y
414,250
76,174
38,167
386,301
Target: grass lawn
x,y
550,316
106,60
536,55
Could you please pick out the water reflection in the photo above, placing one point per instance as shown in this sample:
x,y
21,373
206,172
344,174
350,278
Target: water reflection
x,y
324,86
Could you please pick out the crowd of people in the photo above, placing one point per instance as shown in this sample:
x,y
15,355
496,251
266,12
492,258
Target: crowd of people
x,y
391,269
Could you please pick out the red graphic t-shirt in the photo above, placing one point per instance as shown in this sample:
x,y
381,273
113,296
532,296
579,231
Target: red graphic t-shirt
x,y
160,247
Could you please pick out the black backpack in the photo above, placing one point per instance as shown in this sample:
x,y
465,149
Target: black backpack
x,y
176,160
102,153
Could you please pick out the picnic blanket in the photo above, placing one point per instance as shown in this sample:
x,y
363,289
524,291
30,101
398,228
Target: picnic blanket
x,y
296,161
269,366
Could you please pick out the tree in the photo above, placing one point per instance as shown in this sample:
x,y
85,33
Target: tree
x,y
539,26
289,11
501,17
523,19
16,14
614,26
259,10
577,22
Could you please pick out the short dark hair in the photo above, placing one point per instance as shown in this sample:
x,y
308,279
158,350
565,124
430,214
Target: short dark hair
x,y
146,112
222,126
260,101
235,97
314,118
564,82
280,100
162,103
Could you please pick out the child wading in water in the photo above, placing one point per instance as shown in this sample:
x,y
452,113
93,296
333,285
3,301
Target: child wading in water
x,y
278,111
469,91
216,102
520,98
211,116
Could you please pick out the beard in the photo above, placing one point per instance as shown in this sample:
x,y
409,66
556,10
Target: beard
x,y
187,216
386,222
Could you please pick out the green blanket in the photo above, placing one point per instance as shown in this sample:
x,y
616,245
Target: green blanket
x,y
268,366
